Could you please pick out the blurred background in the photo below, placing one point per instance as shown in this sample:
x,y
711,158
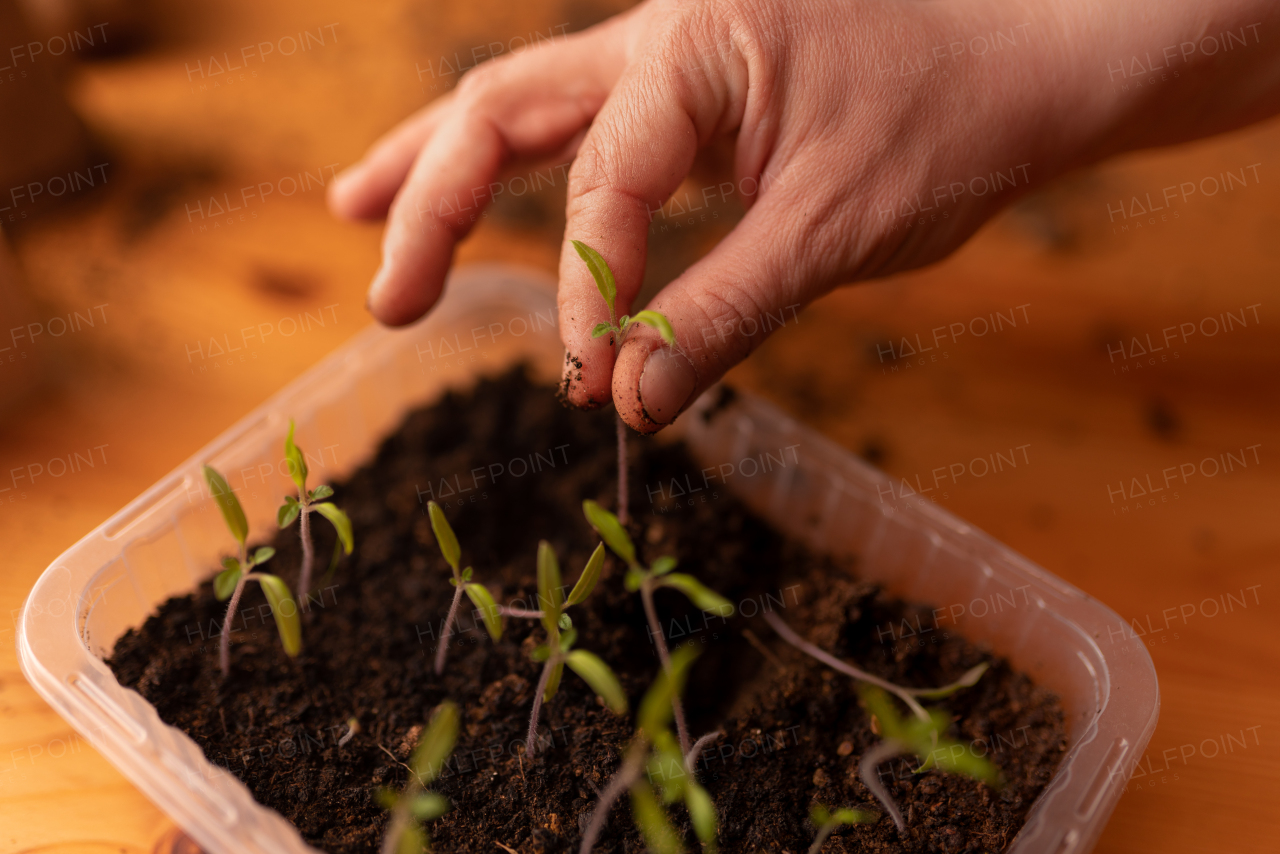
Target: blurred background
x,y
162,179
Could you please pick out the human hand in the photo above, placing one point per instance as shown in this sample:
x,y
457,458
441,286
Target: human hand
x,y
859,168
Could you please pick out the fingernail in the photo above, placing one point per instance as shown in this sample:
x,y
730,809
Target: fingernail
x,y
666,383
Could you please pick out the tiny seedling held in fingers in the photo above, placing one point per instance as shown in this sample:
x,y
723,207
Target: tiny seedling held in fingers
x,y
416,805
825,822
653,749
479,595
237,572
300,508
617,329
646,580
561,635
924,739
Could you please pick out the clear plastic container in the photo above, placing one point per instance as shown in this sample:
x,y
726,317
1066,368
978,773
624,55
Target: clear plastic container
x,y
169,539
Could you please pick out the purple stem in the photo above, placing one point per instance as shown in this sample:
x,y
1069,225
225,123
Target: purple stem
x,y
448,625
691,758
788,634
519,612
531,742
224,646
823,833
308,553
655,629
627,774
622,468
867,774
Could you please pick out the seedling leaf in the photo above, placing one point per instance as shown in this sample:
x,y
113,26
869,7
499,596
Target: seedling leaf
x,y
553,683
601,679
540,653
610,530
285,610
566,622
445,538
960,759
296,462
287,513
224,583
634,579
428,806
227,502
655,708
600,330
342,524
918,736
467,573
321,491
590,575
488,609
600,272
550,591
699,594
263,555
659,835
702,812
229,562
658,322
663,565
968,680
673,778
436,743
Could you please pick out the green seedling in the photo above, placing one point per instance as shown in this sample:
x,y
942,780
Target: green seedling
x,y
561,635
617,329
479,595
237,572
416,805
303,506
825,822
654,746
924,739
907,695
646,580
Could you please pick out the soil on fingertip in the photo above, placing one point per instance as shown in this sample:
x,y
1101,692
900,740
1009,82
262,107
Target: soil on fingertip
x,y
510,467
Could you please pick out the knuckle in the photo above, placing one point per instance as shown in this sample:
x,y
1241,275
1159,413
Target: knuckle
x,y
731,310
480,83
592,170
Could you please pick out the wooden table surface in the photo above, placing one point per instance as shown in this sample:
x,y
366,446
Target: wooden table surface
x,y
143,389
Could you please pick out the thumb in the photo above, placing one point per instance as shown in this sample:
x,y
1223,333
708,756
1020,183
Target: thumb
x,y
722,308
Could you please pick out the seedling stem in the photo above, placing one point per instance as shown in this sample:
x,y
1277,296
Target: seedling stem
x,y
557,651
237,573
825,822
658,574
416,805
653,742
617,330
478,593
301,508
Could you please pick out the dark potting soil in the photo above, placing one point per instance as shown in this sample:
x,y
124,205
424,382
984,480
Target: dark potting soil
x,y
510,466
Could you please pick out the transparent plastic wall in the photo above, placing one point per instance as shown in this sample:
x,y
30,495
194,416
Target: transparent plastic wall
x,y
169,539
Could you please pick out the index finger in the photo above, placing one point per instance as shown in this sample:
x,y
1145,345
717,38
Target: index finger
x,y
639,148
